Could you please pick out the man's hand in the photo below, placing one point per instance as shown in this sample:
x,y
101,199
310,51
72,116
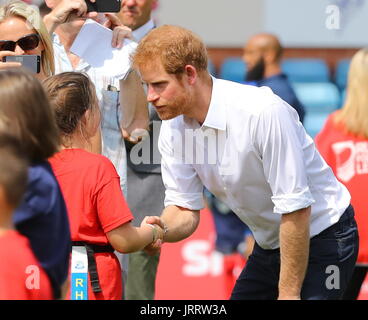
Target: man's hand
x,y
155,247
120,32
66,11
133,103
136,135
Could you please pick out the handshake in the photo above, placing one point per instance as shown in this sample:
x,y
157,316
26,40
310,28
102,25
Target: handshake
x,y
159,229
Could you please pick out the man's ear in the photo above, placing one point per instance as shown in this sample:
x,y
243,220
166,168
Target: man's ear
x,y
191,73
269,56
154,4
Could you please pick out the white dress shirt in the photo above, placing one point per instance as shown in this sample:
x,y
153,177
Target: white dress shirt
x,y
139,33
256,158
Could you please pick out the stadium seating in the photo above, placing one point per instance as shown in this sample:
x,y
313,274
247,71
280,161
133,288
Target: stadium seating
x,y
313,122
319,100
343,97
318,96
234,69
310,79
341,74
306,70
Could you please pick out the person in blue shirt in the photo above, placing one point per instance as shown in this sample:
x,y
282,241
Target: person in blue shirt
x,y
42,217
262,54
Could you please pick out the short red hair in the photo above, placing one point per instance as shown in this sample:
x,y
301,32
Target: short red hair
x,y
175,47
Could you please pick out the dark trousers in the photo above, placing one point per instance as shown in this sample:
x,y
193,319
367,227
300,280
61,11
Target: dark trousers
x,y
332,258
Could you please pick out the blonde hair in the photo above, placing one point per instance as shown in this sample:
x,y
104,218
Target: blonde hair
x,y
354,113
175,47
32,16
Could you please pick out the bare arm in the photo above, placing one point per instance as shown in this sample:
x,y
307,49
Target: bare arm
x,y
134,108
294,253
128,238
180,222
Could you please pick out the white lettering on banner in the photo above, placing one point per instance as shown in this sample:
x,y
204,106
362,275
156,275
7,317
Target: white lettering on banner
x,y
200,260
351,159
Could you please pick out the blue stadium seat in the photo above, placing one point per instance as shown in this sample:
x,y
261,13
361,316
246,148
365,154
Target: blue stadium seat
x,y
318,97
341,74
211,68
233,69
313,122
306,70
343,97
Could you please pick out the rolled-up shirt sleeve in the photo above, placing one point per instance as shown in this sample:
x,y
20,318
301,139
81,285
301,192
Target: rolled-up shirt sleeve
x,y
278,140
183,186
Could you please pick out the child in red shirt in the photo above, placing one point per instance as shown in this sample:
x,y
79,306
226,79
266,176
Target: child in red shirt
x,y
98,213
21,276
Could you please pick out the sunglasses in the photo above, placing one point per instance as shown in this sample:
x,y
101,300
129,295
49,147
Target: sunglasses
x,y
28,42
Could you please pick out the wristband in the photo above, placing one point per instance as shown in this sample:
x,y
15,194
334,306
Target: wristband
x,y
154,232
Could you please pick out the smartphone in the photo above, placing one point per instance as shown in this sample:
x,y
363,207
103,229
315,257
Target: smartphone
x,y
104,6
30,62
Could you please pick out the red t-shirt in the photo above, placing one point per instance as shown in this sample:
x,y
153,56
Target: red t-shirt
x,y
96,205
21,276
347,155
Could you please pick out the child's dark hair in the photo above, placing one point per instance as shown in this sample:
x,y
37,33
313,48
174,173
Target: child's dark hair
x,y
71,94
13,169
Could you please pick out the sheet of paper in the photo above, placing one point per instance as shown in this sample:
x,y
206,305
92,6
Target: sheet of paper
x,y
93,45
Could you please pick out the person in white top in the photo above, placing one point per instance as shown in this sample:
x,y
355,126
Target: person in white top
x,y
247,147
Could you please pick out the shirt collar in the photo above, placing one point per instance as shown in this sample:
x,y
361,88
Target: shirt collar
x,y
139,33
64,57
216,115
56,40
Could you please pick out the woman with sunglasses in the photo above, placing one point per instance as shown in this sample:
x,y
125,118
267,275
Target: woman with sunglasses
x,y
42,215
22,32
